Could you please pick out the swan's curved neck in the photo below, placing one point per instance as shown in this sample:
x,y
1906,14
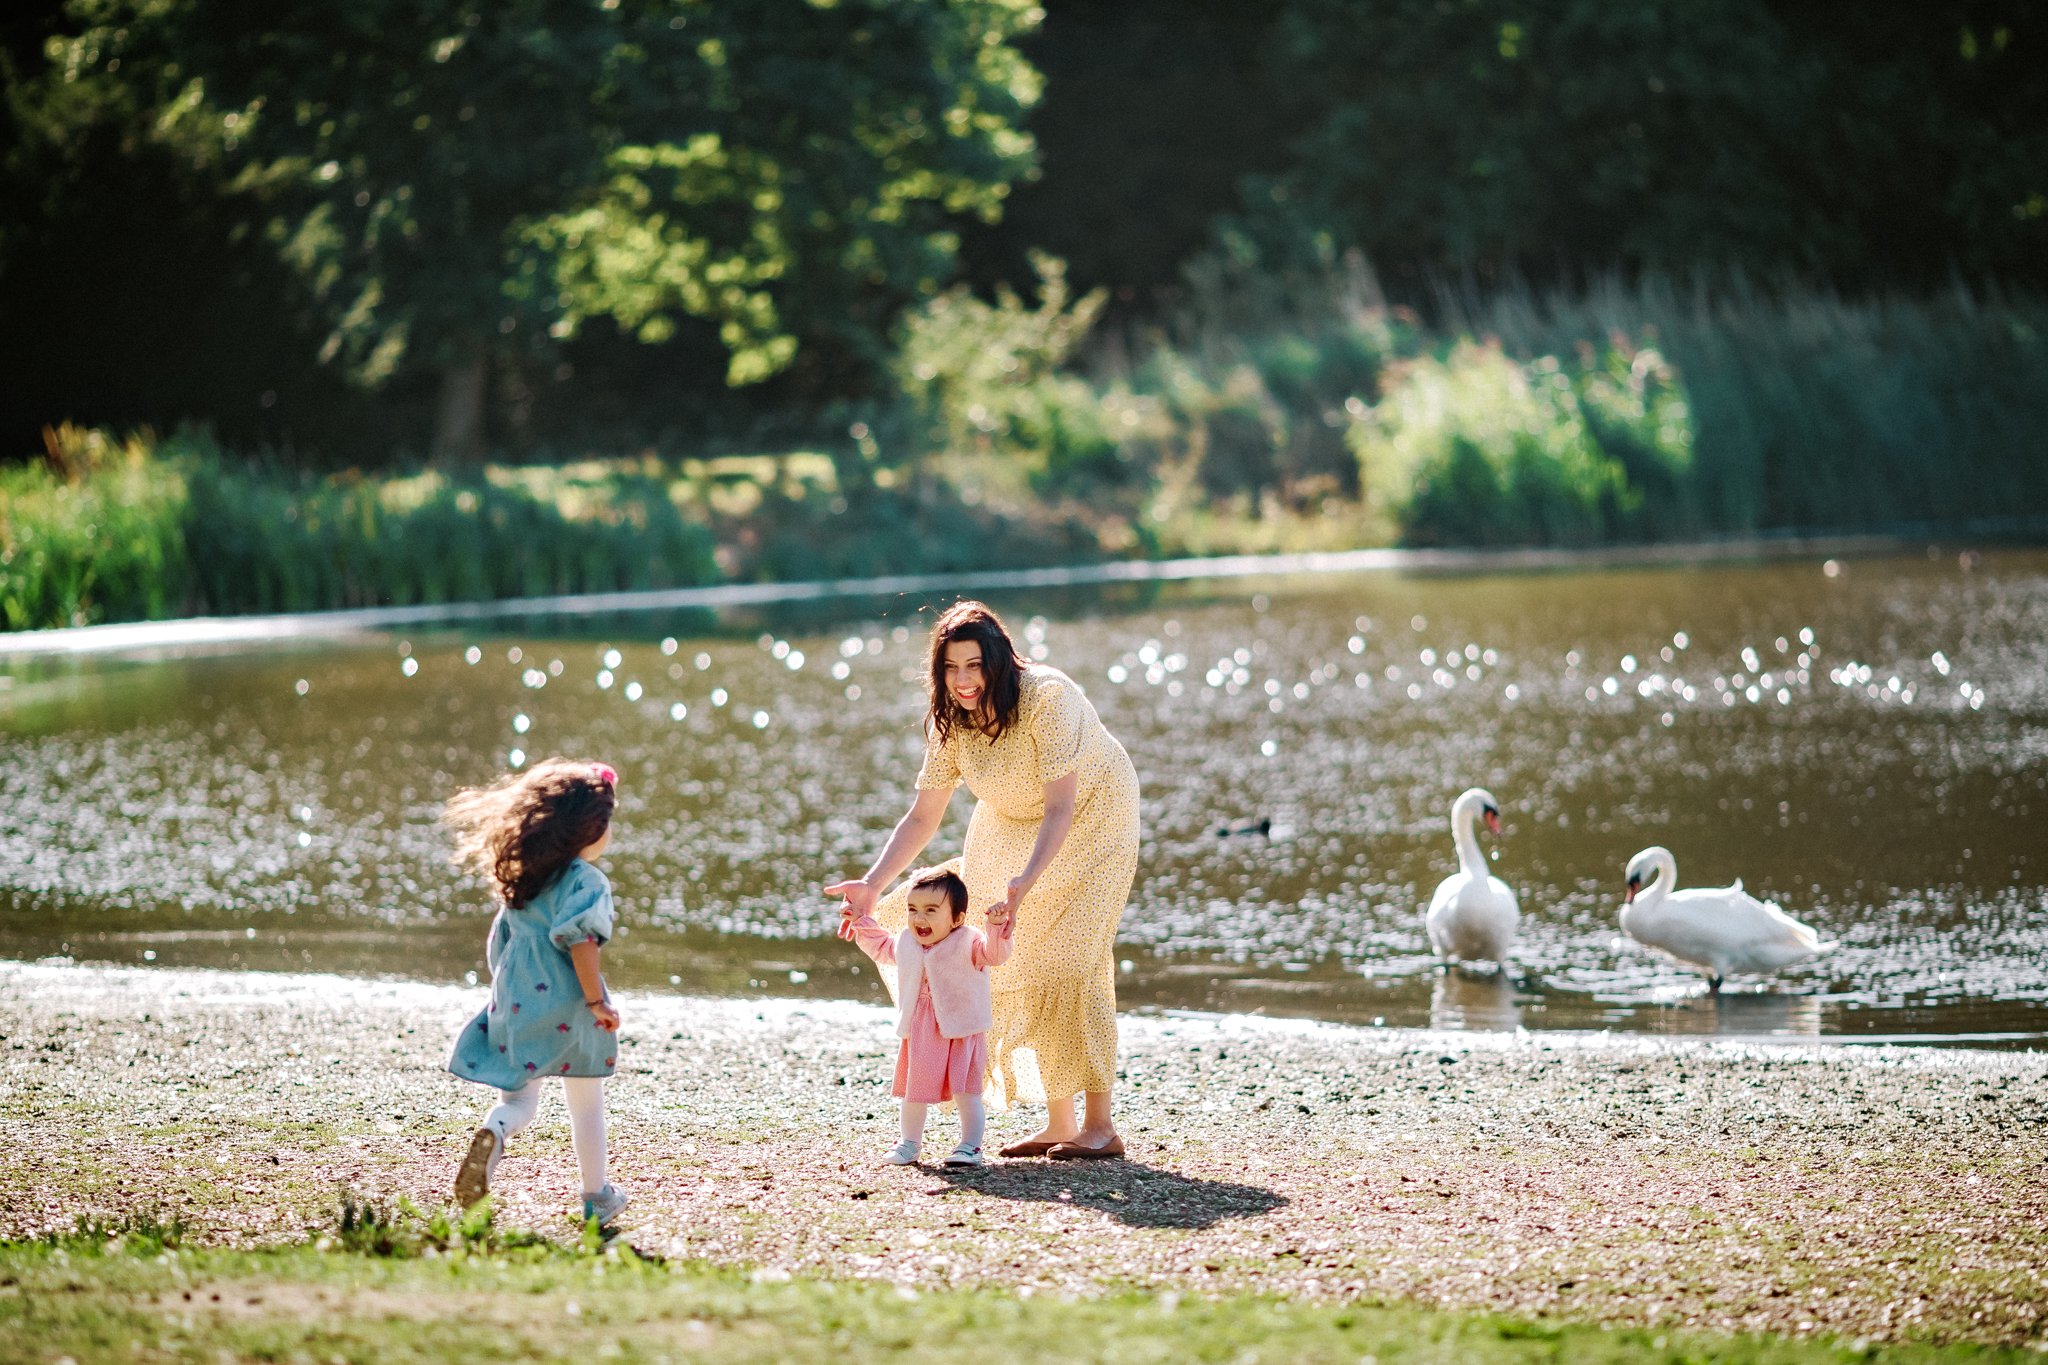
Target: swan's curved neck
x,y
1663,874
1470,857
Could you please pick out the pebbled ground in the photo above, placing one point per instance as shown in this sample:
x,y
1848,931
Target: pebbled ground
x,y
1882,1194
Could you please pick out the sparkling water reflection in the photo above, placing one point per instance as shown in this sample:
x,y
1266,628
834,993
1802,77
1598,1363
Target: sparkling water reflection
x,y
1867,745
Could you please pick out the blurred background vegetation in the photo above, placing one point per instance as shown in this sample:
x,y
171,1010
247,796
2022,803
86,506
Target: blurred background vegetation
x,y
399,302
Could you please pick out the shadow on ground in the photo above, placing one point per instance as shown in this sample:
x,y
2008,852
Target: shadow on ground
x,y
1131,1192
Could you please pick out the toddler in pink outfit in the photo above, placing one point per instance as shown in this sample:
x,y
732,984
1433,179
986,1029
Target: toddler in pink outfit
x,y
943,1006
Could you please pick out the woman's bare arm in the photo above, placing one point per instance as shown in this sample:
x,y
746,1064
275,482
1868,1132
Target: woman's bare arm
x,y
1052,836
912,833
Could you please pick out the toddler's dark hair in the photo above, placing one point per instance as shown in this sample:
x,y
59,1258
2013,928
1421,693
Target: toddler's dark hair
x,y
522,830
946,880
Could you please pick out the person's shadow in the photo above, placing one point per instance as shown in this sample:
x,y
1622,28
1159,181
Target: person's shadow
x,y
1131,1192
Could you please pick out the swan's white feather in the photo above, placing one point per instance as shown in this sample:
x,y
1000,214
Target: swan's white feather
x,y
1473,915
1472,920
1720,930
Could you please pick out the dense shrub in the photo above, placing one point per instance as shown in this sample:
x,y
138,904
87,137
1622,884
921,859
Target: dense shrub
x,y
982,379
1476,449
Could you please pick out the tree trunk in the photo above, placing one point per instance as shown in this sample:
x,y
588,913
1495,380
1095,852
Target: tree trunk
x,y
459,416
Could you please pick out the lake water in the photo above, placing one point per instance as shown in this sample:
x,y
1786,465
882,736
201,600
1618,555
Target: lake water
x,y
1865,741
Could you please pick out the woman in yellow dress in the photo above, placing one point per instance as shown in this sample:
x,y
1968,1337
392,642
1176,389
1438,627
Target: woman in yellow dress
x,y
1054,838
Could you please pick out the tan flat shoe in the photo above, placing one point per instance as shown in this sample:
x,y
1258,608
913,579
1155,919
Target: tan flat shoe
x,y
1074,1151
1028,1149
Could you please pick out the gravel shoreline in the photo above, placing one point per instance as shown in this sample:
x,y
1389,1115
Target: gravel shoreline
x,y
1885,1194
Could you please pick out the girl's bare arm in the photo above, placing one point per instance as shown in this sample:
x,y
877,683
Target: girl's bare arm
x,y
584,958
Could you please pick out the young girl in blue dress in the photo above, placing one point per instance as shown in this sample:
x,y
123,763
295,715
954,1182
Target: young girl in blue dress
x,y
533,837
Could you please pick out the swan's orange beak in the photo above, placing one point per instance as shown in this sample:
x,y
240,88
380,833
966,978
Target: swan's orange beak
x,y
1492,818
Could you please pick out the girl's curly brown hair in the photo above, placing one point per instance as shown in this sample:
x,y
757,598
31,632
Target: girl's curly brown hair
x,y
522,830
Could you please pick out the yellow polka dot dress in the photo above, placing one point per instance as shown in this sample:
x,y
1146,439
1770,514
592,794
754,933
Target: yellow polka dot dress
x,y
1055,999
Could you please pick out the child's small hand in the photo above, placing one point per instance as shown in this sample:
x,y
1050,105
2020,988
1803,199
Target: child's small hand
x,y
846,919
606,1017
1000,917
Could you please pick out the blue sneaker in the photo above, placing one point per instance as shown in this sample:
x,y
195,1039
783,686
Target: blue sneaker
x,y
606,1205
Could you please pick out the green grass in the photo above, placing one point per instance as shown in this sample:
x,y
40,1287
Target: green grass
x,y
400,1288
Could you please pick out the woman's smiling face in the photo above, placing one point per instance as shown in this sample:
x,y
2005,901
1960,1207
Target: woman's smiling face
x,y
964,681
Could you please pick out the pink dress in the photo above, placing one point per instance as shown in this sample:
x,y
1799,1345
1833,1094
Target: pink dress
x,y
930,1067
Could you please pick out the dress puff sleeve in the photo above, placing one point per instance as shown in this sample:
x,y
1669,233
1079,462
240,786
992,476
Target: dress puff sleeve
x,y
1056,728
583,908
941,770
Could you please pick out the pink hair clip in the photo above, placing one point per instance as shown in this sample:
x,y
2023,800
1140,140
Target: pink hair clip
x,y
605,773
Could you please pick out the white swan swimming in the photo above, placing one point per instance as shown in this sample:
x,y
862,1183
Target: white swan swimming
x,y
1719,930
1472,916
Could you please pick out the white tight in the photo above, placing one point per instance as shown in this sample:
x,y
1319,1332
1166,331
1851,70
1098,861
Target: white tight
x,y
973,1120
585,1097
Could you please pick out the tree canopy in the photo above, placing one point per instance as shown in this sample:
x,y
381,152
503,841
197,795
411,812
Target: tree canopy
x,y
1844,143
603,213
458,181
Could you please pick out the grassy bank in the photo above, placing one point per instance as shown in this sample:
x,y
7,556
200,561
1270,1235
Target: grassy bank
x,y
136,528
122,1294
1264,414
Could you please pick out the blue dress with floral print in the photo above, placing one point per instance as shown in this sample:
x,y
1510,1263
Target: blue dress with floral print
x,y
537,1024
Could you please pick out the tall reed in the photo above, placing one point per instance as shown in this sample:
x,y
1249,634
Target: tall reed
x,y
92,531
102,530
1810,409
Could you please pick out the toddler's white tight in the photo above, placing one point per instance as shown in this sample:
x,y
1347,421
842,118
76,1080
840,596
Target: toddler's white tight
x,y
973,1120
585,1097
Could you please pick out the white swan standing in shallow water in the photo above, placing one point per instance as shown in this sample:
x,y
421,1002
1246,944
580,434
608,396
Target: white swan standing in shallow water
x,y
1472,916
1720,930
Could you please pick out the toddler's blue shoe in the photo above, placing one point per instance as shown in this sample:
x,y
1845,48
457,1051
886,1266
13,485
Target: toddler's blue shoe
x,y
607,1204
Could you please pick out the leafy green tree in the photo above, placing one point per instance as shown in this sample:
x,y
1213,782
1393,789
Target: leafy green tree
x,y
463,183
1858,143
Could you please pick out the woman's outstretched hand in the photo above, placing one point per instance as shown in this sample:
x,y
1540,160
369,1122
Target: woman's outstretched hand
x,y
859,895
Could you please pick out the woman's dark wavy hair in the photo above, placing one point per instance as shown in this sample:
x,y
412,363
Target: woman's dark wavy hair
x,y
1001,670
522,830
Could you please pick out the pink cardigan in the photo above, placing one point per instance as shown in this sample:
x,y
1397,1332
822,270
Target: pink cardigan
x,y
957,970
